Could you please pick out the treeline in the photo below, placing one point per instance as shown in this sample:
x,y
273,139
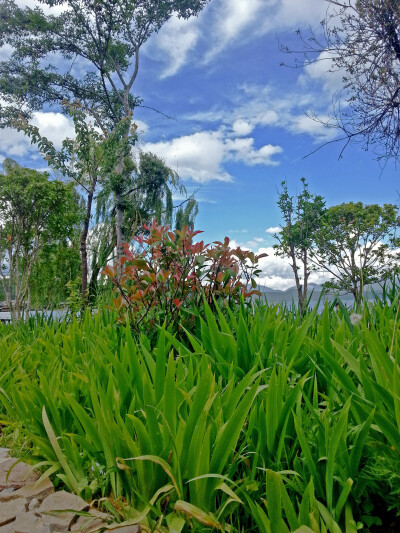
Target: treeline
x,y
56,235
352,243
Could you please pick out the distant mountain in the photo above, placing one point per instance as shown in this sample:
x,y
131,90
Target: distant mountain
x,y
314,290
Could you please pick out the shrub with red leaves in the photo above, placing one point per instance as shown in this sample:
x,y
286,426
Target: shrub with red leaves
x,y
165,272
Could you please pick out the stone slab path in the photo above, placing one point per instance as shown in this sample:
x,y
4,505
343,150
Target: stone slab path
x,y
30,507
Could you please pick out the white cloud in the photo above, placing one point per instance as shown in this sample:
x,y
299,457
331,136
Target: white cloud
x,y
315,127
5,52
320,72
55,126
173,43
55,10
231,21
242,127
142,127
254,243
243,150
273,229
255,106
200,156
225,22
276,272
289,14
13,143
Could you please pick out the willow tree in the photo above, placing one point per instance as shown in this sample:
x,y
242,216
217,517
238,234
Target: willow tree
x,y
89,51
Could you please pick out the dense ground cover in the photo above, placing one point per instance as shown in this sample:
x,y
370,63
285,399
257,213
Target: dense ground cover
x,y
255,420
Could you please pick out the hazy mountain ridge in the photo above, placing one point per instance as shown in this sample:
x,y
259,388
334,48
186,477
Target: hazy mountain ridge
x,y
314,292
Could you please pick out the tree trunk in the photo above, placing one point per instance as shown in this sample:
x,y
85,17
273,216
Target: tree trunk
x,y
119,222
305,282
83,243
299,287
357,295
97,266
28,302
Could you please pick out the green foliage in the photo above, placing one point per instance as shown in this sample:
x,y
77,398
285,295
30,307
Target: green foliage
x,y
357,244
302,217
35,213
107,35
255,420
57,264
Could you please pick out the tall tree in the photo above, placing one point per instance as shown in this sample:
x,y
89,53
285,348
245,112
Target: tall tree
x,y
362,42
302,216
90,161
34,211
106,36
80,159
356,245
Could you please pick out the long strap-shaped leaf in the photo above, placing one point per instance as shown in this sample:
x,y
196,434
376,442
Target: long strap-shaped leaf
x,y
57,450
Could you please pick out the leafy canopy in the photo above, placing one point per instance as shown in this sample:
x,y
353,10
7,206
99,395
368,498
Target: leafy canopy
x,y
357,244
103,37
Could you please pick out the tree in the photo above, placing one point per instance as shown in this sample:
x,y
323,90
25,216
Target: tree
x,y
88,160
149,196
357,245
107,36
302,216
33,212
362,41
57,266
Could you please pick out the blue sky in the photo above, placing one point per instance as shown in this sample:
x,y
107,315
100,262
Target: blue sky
x,y
239,123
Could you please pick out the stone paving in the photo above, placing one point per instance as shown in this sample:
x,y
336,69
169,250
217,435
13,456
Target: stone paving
x,y
30,507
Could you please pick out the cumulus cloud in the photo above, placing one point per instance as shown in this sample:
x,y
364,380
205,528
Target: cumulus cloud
x,y
242,127
5,52
256,106
55,126
243,150
53,10
276,272
273,229
200,156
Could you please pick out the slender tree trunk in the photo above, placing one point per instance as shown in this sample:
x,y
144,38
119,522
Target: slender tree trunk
x,y
83,243
96,267
299,287
119,210
28,302
119,222
356,294
305,282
